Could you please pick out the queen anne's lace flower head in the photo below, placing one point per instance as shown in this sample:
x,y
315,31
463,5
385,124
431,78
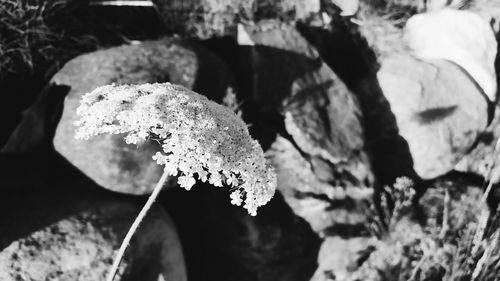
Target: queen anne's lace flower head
x,y
200,138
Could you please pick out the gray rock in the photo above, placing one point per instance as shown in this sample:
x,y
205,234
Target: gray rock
x,y
321,114
107,159
76,236
338,256
277,246
440,110
322,167
328,208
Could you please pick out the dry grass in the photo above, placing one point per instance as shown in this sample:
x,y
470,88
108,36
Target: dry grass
x,y
381,22
36,34
446,248
25,37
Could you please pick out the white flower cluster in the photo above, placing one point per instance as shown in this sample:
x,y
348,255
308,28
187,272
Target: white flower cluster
x,y
200,138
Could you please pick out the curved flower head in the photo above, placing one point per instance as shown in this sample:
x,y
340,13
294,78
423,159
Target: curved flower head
x,y
200,138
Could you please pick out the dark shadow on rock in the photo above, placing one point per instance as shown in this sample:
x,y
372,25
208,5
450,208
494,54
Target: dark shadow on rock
x,y
355,63
35,132
322,109
19,93
434,115
347,231
29,204
276,244
29,157
223,242
213,76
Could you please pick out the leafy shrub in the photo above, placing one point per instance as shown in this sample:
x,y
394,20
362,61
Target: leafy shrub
x,y
25,36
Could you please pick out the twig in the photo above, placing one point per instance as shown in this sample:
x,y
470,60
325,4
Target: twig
x,y
135,225
446,214
417,268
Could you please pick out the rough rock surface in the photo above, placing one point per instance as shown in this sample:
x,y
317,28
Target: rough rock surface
x,y
107,159
440,110
320,159
68,235
329,208
207,18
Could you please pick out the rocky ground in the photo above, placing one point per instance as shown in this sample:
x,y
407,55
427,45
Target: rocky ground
x,y
379,117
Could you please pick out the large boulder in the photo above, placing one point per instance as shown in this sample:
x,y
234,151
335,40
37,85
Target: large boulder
x,y
107,159
437,47
68,235
36,130
440,110
463,37
355,59
320,158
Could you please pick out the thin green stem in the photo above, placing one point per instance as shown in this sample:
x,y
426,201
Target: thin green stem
x,y
135,226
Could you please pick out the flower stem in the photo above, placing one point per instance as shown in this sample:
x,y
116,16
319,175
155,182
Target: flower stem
x,y
135,226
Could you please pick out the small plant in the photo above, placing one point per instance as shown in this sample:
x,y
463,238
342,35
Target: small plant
x,y
395,203
200,140
25,37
